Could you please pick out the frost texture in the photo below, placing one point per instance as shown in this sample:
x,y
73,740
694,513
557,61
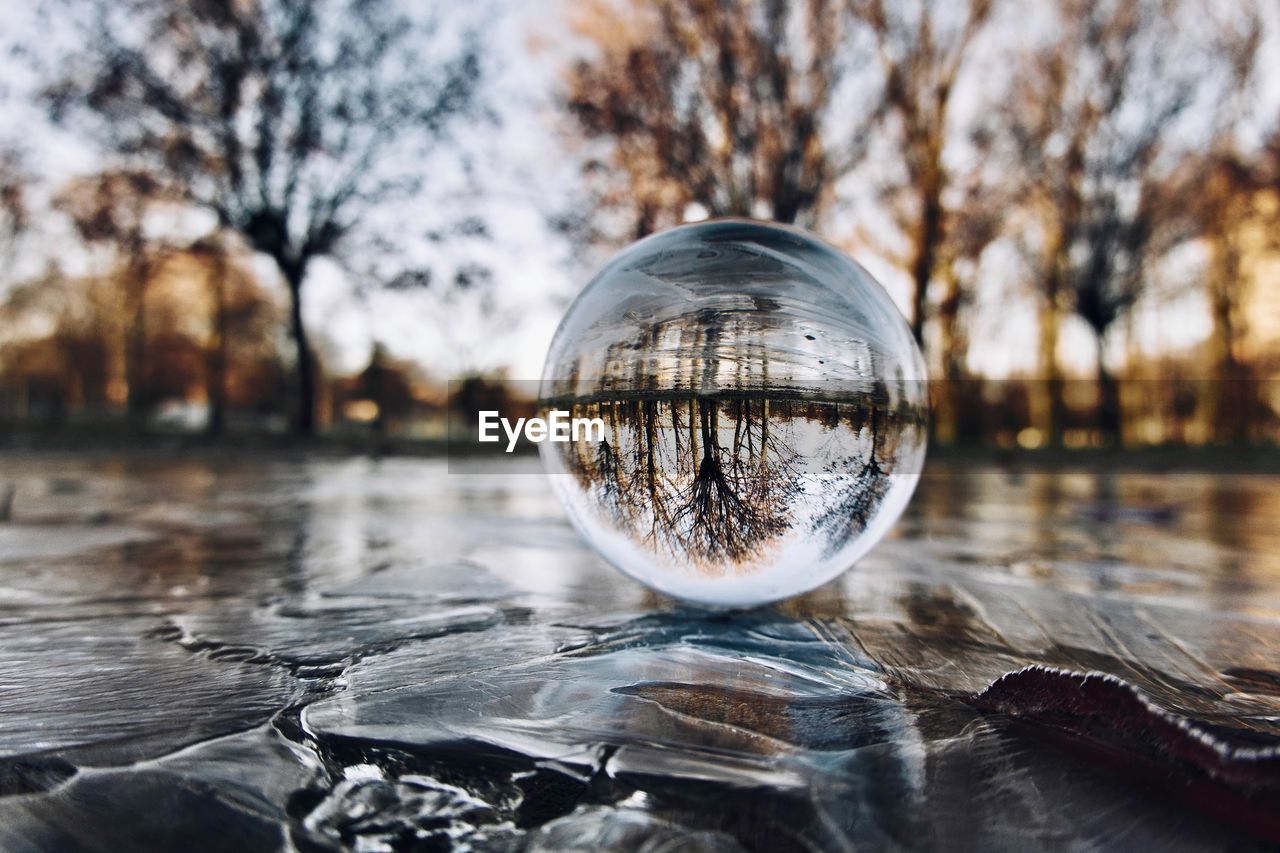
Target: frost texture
x,y
381,655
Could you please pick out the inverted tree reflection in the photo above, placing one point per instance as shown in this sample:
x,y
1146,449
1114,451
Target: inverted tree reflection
x,y
855,485
720,481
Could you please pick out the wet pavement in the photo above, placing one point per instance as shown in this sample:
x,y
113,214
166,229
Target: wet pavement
x,y
379,654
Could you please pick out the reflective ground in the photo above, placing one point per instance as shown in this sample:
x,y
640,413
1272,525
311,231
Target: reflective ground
x,y
246,654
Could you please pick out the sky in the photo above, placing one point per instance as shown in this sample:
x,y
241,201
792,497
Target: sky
x,y
524,173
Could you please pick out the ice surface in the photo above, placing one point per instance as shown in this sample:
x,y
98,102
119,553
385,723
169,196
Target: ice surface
x,y
382,655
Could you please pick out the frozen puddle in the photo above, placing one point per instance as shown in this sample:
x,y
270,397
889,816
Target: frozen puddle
x,y
384,656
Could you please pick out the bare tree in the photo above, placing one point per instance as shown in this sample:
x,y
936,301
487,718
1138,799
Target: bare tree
x,y
1091,117
724,105
288,120
112,209
976,221
1223,194
922,48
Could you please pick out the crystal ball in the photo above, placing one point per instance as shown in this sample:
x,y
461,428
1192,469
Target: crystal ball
x,y
761,408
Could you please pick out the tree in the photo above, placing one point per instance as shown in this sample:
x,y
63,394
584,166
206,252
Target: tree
x,y
1091,118
922,49
14,206
1227,195
728,106
213,250
112,209
974,223
386,383
1225,204
75,361
240,318
288,120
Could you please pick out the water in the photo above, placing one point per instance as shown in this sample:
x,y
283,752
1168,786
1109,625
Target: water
x,y
765,412
248,653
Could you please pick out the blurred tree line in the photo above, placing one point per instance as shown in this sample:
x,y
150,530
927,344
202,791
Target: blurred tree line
x,y
1082,143
281,125
1105,136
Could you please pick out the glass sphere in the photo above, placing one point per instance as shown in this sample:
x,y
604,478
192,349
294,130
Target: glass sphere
x,y
763,409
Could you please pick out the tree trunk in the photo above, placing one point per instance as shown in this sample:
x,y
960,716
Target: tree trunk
x,y
304,423
1228,413
216,366
1108,395
645,221
1051,397
950,401
927,238
135,358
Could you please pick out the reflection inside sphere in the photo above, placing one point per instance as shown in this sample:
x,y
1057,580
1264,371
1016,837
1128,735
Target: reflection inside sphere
x,y
764,405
